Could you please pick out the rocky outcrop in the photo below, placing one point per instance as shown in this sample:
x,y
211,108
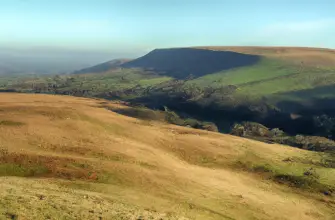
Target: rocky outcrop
x,y
260,132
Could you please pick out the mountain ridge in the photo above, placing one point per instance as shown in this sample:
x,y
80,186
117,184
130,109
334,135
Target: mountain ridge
x,y
283,52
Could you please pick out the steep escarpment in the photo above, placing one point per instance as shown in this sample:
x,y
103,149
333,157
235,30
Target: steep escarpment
x,y
184,62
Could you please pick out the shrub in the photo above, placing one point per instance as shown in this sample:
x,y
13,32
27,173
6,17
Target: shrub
x,y
303,182
238,130
276,132
209,126
192,123
313,143
173,118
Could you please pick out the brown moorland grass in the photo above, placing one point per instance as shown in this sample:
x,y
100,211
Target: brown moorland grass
x,y
309,56
71,158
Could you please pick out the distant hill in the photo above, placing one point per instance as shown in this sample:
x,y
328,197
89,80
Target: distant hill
x,y
200,61
103,67
182,62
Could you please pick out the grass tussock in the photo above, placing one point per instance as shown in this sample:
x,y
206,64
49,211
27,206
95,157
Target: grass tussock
x,y
15,164
10,169
11,123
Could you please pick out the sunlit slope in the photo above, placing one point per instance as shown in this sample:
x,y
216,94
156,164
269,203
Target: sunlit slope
x,y
307,55
70,158
280,72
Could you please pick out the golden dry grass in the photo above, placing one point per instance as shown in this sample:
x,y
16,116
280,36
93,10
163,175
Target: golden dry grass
x,y
309,56
78,160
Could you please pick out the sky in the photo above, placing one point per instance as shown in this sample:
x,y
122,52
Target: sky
x,y
129,28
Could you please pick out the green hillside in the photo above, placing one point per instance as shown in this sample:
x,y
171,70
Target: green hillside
x,y
264,71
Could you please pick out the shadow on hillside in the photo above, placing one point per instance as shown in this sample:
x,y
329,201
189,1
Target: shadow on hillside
x,y
7,90
225,116
183,62
141,113
308,105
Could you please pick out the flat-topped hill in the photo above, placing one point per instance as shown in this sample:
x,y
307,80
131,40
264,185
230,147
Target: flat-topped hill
x,y
183,62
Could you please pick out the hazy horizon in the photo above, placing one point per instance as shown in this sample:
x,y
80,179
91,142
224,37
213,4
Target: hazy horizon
x,y
94,31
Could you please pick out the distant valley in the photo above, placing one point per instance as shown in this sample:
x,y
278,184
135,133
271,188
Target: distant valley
x,y
45,61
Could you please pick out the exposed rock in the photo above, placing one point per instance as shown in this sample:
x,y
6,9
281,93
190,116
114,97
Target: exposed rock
x,y
250,129
260,132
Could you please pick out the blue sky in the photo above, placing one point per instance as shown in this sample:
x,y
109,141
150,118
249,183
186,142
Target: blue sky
x,y
133,27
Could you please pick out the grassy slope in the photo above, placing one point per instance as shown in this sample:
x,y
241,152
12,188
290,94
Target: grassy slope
x,y
280,72
76,159
245,75
302,79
